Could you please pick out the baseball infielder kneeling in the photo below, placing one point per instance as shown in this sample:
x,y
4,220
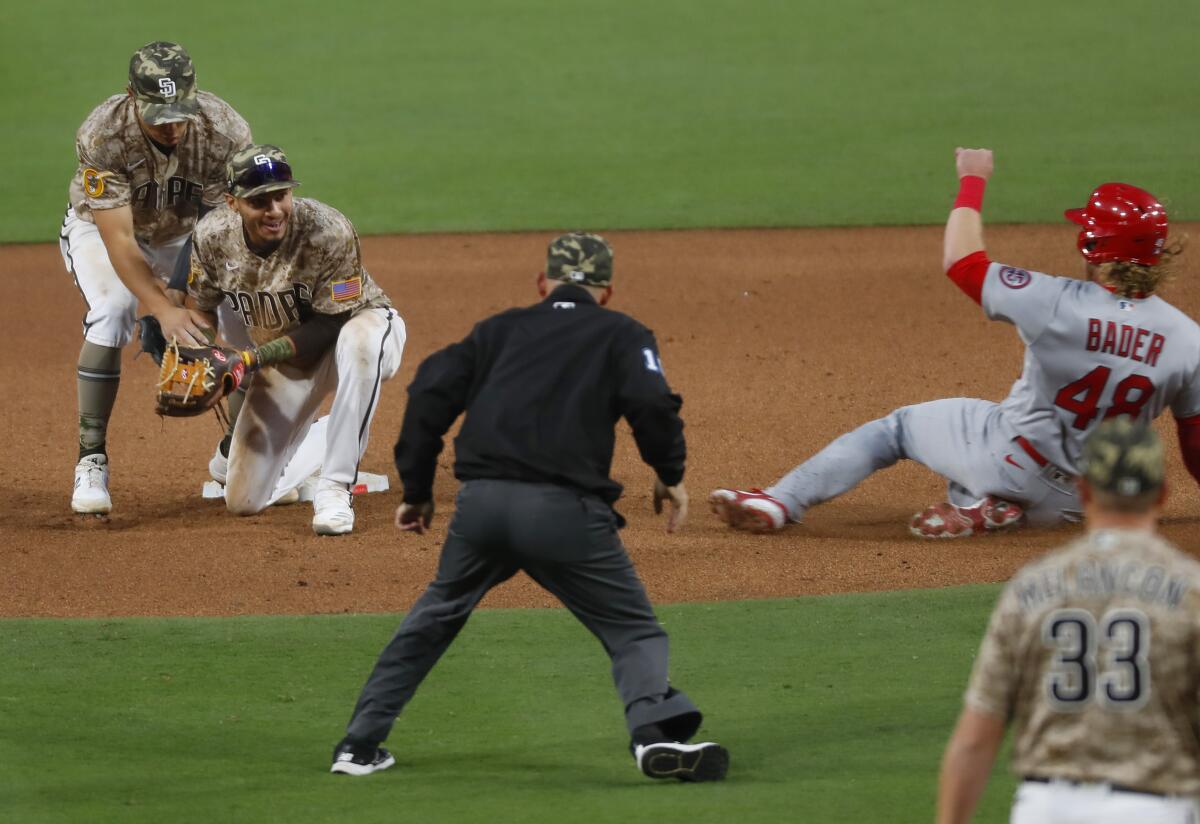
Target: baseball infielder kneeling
x,y
1091,656
292,268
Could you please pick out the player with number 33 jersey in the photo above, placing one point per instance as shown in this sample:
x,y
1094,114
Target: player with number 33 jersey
x,y
1090,658
1096,348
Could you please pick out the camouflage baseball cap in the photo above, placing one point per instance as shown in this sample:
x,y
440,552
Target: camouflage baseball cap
x,y
258,169
1123,458
580,258
163,82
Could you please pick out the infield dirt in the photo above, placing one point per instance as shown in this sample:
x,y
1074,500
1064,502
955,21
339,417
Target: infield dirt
x,y
778,340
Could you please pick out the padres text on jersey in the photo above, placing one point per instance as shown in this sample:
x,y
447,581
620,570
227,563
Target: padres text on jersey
x,y
317,268
120,166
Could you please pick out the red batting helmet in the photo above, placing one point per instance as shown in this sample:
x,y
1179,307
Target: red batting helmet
x,y
1121,222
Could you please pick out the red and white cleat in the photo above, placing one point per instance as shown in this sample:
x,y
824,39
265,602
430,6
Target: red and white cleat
x,y
945,520
750,509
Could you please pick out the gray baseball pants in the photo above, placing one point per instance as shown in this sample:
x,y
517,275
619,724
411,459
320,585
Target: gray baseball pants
x,y
568,543
965,440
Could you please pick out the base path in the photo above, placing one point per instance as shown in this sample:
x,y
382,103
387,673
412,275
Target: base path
x,y
778,341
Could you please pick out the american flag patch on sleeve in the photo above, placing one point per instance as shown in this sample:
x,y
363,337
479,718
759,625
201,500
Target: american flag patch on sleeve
x,y
347,289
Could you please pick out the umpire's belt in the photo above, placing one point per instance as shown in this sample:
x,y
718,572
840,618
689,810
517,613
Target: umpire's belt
x,y
1117,788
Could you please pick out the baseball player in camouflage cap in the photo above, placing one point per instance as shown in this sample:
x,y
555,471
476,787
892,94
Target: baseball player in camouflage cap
x,y
1090,654
319,324
163,83
257,170
580,257
151,161
1122,465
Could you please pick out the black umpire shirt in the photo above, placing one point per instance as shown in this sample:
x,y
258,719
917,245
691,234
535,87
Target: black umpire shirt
x,y
543,388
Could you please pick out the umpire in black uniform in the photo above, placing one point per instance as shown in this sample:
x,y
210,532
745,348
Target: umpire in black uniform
x,y
543,388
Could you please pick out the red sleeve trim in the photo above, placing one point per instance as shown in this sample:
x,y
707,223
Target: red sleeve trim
x,y
1189,443
968,274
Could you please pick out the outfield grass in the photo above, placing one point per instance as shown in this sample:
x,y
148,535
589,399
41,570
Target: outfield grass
x,y
836,709
529,114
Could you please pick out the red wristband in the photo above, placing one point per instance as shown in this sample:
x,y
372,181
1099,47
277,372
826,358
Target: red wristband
x,y
970,192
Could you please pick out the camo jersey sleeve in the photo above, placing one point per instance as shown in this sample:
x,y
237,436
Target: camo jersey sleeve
x,y
341,284
101,181
230,134
204,276
995,677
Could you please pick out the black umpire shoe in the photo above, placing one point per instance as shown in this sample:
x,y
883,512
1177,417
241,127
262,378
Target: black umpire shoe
x,y
687,762
351,758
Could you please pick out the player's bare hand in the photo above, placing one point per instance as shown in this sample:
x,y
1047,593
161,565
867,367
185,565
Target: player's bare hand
x,y
176,296
977,162
677,497
414,517
185,325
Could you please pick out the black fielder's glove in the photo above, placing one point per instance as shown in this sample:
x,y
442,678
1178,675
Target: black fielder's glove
x,y
151,338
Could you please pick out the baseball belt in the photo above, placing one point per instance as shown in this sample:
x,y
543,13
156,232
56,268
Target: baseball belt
x,y
1053,474
1117,788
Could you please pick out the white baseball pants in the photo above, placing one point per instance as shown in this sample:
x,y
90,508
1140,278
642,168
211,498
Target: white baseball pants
x,y
111,307
275,445
1059,802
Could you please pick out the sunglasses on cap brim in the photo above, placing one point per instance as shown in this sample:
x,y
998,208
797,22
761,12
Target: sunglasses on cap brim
x,y
273,171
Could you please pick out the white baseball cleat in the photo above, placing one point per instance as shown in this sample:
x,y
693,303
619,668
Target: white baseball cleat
x,y
288,498
91,486
750,509
333,513
307,490
218,466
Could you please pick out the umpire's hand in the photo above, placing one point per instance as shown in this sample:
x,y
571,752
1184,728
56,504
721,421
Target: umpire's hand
x,y
678,497
414,517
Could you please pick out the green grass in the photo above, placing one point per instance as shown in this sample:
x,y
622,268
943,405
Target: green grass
x,y
527,114
835,709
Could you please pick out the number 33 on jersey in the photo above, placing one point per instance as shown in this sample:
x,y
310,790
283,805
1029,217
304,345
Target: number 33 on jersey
x,y
1091,653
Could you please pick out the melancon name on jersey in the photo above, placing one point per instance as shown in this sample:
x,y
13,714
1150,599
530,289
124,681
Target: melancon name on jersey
x,y
1093,577
1124,341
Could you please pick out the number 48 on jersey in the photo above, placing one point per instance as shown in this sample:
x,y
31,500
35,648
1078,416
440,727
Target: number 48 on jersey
x,y
1082,397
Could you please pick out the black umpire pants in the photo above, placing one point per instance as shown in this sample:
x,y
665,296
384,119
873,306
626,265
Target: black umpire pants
x,y
568,543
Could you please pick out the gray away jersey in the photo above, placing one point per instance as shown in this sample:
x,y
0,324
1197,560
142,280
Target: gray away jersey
x,y
1090,354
